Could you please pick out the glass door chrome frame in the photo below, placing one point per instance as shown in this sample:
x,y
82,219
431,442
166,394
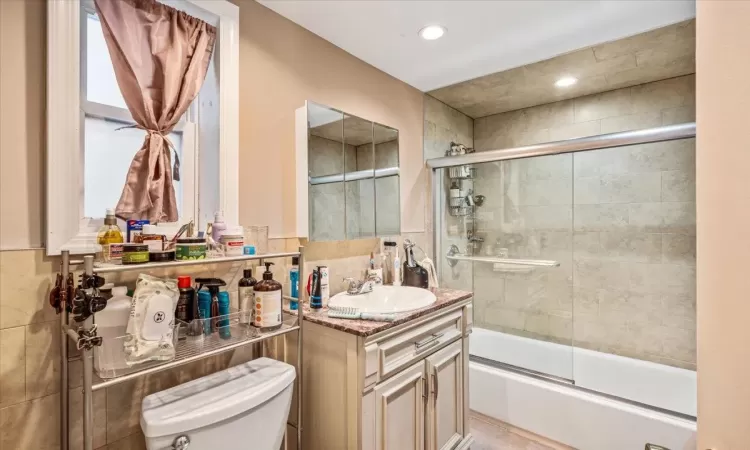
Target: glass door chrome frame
x,y
624,138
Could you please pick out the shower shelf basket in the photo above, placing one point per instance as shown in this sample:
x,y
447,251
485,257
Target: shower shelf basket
x,y
465,172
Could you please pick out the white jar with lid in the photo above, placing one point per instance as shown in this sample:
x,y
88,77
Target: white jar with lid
x,y
233,240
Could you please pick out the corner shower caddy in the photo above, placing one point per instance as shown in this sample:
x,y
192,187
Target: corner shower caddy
x,y
86,339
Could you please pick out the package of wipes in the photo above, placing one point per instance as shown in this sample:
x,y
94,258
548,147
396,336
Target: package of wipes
x,y
150,328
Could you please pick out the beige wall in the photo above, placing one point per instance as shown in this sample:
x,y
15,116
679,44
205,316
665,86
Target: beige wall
x,y
23,79
283,65
723,159
620,221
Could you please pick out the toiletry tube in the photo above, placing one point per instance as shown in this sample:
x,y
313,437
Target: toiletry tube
x,y
204,307
223,322
325,293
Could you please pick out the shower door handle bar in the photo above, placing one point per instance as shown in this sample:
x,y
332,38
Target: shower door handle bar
x,y
649,135
517,262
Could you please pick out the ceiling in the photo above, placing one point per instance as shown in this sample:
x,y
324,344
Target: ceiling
x,y
651,56
483,37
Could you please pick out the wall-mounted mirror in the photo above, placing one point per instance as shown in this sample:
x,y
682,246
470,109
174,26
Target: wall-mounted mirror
x,y
352,168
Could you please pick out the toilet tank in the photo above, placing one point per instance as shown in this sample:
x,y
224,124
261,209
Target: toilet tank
x,y
244,407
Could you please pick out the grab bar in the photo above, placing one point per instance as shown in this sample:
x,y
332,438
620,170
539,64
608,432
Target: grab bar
x,y
518,262
453,257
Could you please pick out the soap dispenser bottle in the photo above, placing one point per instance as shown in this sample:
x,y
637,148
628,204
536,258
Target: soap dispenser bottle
x,y
414,274
267,302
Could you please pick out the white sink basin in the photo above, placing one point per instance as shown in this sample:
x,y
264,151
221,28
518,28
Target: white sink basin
x,y
386,299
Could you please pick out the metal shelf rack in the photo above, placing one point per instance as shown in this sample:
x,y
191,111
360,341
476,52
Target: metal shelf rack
x,y
185,353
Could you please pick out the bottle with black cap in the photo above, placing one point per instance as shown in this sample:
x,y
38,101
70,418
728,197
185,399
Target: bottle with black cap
x,y
267,302
246,293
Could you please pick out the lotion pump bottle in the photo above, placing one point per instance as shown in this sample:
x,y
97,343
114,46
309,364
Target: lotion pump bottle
x,y
267,302
396,269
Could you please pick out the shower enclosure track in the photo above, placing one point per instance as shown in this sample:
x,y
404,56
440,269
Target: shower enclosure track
x,y
184,352
646,136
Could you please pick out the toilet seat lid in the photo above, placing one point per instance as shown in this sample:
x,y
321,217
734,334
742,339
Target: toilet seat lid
x,y
215,397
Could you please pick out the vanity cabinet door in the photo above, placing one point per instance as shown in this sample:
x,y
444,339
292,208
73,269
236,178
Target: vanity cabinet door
x,y
400,409
445,400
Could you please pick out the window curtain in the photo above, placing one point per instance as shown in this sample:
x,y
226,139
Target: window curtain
x,y
160,57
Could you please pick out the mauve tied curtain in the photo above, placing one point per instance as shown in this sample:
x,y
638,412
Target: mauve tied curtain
x,y
160,56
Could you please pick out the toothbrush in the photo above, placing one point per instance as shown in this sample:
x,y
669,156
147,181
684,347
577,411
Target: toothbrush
x,y
348,312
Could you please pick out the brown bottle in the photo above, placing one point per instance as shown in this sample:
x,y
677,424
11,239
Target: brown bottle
x,y
267,302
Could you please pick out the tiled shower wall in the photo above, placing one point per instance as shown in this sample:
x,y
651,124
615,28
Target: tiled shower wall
x,y
620,221
443,125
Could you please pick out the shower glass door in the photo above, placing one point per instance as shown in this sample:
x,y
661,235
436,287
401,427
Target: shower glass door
x,y
582,267
515,251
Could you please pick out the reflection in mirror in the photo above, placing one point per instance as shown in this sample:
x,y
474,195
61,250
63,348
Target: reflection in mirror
x,y
326,158
387,202
360,183
353,176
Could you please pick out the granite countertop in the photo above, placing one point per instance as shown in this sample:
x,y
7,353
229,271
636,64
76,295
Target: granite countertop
x,y
445,297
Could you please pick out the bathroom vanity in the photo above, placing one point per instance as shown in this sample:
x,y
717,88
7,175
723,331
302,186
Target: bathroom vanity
x,y
400,385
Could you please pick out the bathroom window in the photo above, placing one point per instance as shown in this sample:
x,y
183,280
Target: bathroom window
x,y
109,145
90,140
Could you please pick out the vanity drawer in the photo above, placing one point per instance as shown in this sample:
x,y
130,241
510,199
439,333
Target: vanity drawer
x,y
404,348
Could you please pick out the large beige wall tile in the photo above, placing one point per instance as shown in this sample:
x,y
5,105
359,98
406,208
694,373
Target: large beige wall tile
x,y
601,217
608,104
31,425
650,39
630,188
577,130
678,249
12,366
99,402
663,156
631,122
593,273
42,359
25,280
663,278
632,247
665,94
678,186
606,161
681,114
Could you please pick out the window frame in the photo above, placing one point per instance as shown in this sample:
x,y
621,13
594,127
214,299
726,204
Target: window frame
x,y
67,227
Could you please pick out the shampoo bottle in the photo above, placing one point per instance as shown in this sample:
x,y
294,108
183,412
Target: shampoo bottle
x,y
246,288
294,283
267,302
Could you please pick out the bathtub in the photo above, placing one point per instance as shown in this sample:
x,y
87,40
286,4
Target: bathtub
x,y
579,417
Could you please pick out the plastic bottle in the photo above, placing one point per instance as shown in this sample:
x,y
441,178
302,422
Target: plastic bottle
x,y
186,301
268,302
396,269
110,234
218,227
204,306
223,323
247,296
294,282
112,323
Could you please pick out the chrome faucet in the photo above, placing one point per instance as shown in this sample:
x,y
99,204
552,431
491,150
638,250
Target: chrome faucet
x,y
357,287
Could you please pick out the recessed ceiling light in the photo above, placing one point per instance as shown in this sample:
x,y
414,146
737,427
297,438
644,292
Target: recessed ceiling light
x,y
432,32
566,81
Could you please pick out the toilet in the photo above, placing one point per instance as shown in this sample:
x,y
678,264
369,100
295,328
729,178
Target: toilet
x,y
241,408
